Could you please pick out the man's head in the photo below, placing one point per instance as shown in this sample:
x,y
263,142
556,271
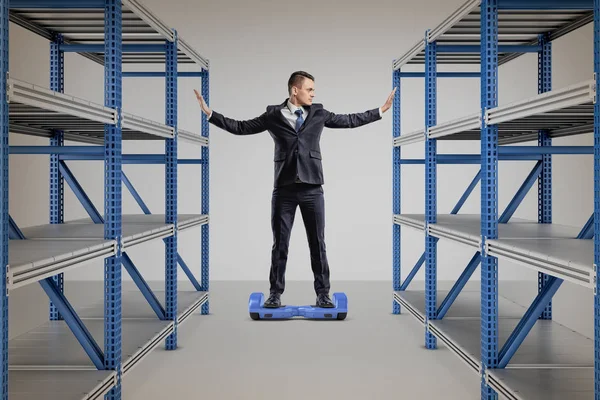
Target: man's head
x,y
301,88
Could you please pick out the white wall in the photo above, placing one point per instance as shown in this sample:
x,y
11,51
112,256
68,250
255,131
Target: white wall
x,y
349,47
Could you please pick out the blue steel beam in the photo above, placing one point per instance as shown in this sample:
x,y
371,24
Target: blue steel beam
x,y
148,74
143,286
62,150
143,159
205,185
396,187
14,232
86,202
588,229
50,4
467,193
529,319
477,49
489,193
467,159
83,336
545,4
441,75
413,272
459,285
521,193
4,187
99,48
113,98
135,194
189,273
546,150
171,190
430,191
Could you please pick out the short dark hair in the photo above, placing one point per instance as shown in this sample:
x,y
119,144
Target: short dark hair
x,y
297,78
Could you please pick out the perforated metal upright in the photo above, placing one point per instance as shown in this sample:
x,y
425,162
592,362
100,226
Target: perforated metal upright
x,y
597,199
544,139
430,190
112,191
57,206
171,189
205,194
396,183
4,227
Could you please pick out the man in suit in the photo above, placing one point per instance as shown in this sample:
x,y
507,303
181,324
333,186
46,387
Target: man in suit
x,y
296,126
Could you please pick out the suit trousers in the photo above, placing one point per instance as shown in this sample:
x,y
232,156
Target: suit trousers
x,y
284,203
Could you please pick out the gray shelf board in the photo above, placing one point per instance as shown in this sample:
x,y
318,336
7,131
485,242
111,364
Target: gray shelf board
x,y
569,259
466,306
135,306
86,26
59,385
515,27
132,232
543,384
53,345
184,221
33,260
548,344
469,225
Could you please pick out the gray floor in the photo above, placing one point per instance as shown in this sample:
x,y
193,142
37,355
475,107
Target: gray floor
x,y
226,355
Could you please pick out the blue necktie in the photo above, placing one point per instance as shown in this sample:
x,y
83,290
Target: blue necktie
x,y
300,120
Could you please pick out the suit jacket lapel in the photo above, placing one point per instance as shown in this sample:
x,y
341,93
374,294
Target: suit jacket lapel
x,y
282,119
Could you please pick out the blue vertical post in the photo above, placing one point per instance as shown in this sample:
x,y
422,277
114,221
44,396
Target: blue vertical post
x,y
57,83
596,199
489,193
430,190
544,139
112,191
4,228
396,269
171,189
205,194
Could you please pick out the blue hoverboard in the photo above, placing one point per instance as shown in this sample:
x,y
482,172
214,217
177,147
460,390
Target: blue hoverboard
x,y
257,311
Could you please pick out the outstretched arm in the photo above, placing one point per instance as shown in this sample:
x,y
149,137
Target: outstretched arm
x,y
248,127
358,119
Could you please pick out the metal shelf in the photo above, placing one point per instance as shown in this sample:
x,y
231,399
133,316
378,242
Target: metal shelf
x,y
38,111
466,305
191,137
133,233
515,27
33,260
564,112
60,385
548,345
135,305
52,346
543,384
86,26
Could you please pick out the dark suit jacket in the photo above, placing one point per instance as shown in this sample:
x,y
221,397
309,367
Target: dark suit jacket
x,y
296,154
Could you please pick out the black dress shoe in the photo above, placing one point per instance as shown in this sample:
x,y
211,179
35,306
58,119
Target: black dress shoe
x,y
274,301
324,301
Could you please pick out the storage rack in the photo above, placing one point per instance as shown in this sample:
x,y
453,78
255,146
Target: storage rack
x,y
519,353
64,358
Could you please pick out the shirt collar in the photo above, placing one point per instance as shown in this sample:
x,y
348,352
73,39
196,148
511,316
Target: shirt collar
x,y
293,108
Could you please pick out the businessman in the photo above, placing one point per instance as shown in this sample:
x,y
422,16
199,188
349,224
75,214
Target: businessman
x,y
296,126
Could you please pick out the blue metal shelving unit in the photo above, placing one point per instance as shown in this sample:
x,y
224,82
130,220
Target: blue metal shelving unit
x,y
118,331
517,352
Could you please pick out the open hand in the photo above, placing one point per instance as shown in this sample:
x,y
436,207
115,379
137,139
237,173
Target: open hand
x,y
202,103
389,101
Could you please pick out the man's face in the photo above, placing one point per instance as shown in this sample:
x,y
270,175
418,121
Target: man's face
x,y
305,94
